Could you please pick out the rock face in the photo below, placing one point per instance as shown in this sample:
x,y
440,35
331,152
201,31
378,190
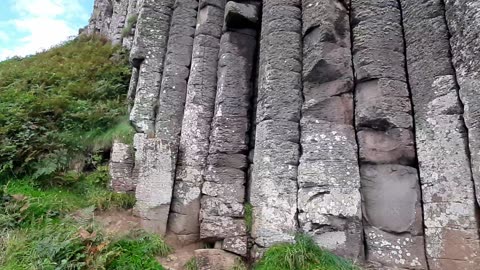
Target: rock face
x,y
352,121
442,142
273,187
383,117
328,173
121,168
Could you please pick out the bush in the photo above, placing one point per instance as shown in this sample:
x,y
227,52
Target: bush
x,y
54,105
304,254
131,23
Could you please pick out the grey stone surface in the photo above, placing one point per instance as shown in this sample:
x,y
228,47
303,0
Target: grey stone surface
x,y
148,54
236,244
329,200
463,17
229,143
215,259
395,251
442,142
121,168
384,124
241,15
391,198
101,18
155,176
273,185
197,118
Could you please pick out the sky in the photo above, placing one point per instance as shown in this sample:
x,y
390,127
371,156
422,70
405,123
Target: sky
x,y
29,26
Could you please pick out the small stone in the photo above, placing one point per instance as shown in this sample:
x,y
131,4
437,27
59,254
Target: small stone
x,y
215,259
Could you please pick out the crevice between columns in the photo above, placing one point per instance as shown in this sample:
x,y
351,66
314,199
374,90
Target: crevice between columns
x,y
364,238
462,119
414,131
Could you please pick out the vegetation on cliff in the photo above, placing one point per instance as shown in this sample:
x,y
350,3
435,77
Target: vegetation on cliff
x,y
54,106
60,110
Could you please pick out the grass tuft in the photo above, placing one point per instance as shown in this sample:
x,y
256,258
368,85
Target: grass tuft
x,y
191,264
304,254
249,216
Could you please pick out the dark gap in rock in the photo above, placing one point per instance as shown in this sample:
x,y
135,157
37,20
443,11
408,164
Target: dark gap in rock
x,y
465,128
416,163
353,23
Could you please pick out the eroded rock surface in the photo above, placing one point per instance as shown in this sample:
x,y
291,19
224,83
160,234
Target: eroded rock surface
x,y
328,179
273,188
198,113
442,142
391,197
319,129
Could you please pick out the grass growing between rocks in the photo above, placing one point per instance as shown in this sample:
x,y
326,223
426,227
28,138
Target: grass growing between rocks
x,y
54,228
304,254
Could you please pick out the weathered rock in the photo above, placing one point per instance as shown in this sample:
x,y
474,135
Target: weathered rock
x,y
229,143
241,15
391,198
148,54
197,118
177,69
442,142
273,185
215,259
121,168
155,175
463,17
393,250
384,124
237,245
119,19
101,18
328,179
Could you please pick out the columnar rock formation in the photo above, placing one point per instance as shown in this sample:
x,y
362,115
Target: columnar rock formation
x,y
383,118
448,197
353,121
328,174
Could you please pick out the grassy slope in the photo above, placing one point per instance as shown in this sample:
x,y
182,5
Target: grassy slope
x,y
61,108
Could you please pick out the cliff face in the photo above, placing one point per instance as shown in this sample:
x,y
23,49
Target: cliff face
x,y
353,121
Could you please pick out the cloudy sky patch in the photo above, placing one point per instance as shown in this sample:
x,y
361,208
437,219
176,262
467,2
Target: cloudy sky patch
x,y
30,26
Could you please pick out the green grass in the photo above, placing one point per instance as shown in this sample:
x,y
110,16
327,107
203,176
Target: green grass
x,y
249,216
304,254
138,252
191,264
131,22
61,105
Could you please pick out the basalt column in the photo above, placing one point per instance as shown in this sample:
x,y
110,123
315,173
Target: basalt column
x,y
329,200
154,163
390,189
273,189
132,12
463,18
222,216
173,91
119,19
448,194
199,109
148,54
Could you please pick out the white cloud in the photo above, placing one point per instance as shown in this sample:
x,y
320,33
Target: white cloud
x,y
44,23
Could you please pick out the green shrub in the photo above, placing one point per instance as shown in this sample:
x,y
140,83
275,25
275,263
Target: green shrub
x,y
138,251
56,104
304,254
131,22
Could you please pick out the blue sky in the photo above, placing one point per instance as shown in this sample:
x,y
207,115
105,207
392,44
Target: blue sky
x,y
29,26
